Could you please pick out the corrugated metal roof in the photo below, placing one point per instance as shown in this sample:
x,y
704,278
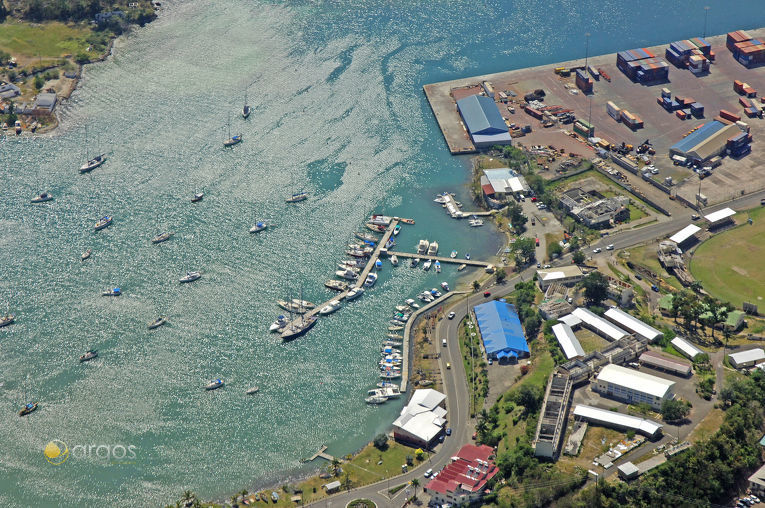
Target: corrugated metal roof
x,y
570,319
612,331
685,233
687,143
604,416
751,355
664,362
720,215
632,323
635,380
713,144
481,115
686,347
500,328
567,340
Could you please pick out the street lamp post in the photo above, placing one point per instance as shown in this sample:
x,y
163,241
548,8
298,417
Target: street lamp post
x,y
706,12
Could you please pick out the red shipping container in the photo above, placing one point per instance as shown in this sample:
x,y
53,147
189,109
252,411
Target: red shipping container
x,y
680,114
723,120
750,112
750,92
745,102
729,116
711,55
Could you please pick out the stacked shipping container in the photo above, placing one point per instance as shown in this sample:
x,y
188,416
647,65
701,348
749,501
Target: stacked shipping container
x,y
641,65
739,144
583,82
692,53
613,110
584,129
746,50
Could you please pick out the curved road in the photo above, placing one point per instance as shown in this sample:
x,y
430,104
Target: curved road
x,y
455,384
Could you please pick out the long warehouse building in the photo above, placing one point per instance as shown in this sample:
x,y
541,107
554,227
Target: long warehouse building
x,y
568,341
598,325
621,421
633,324
633,387
706,142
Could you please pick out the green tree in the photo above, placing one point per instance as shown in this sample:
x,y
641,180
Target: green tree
x,y
476,285
517,219
500,274
381,442
554,250
595,288
578,257
12,117
39,82
673,410
525,250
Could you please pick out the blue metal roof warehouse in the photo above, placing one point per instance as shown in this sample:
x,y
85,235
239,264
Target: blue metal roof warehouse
x,y
483,121
686,144
501,330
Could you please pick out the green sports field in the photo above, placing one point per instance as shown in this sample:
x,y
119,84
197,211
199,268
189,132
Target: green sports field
x,y
731,265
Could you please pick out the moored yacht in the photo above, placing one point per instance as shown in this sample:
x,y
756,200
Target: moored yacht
x,y
426,265
291,307
445,286
163,237
214,384
103,222
331,307
298,328
93,163
303,303
394,260
354,293
422,247
461,267
437,266
259,226
336,285
279,324
453,254
397,230
190,277
42,197
370,280
415,262
378,265
366,237
433,248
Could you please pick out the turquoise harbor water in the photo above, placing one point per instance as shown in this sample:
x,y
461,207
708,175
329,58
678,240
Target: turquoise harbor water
x,y
338,111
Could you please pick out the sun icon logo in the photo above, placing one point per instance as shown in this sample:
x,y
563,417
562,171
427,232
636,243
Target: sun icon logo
x,y
56,452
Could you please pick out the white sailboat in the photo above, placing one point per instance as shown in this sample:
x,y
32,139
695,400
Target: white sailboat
x,y
246,109
93,163
232,140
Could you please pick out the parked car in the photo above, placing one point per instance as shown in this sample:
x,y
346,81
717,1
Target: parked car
x,y
638,276
539,265
534,199
655,288
610,246
448,431
547,266
448,365
451,315
486,294
695,217
597,251
428,473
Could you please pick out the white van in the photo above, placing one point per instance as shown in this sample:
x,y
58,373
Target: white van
x,y
443,342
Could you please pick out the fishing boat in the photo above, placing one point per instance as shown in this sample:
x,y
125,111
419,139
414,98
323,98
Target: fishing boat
x,y
246,109
370,280
394,260
7,320
296,198
348,273
422,246
331,307
406,221
336,285
89,355
28,408
397,230
259,226
190,277
445,286
252,391
214,384
427,264
103,222
366,237
197,197
161,320
453,254
375,227
437,266
112,292
461,267
433,248
298,327
279,324
378,265
304,303
415,262
85,255
163,237
232,140
354,293
42,197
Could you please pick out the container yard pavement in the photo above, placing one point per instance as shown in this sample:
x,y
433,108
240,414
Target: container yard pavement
x,y
714,90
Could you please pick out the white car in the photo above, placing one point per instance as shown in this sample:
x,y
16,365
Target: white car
x,y
428,473
451,315
655,171
597,251
610,246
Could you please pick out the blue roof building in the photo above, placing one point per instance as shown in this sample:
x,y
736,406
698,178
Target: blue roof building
x,y
501,330
483,121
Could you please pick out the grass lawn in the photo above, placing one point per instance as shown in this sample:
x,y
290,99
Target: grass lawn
x,y
47,41
464,340
592,446
590,341
727,265
707,426
647,257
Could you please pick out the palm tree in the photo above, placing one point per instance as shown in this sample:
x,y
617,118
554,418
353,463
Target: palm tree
x,y
415,483
235,500
335,465
187,495
243,493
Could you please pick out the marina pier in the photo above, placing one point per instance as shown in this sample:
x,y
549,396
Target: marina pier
x,y
441,259
376,254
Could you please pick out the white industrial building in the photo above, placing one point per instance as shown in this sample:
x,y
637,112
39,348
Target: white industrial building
x,y
684,234
746,358
686,348
720,216
422,420
632,386
566,275
568,341
633,324
599,325
620,421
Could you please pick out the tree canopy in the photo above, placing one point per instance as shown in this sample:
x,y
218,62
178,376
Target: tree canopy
x,y
595,287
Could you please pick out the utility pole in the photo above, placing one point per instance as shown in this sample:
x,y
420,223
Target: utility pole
x,y
586,50
706,12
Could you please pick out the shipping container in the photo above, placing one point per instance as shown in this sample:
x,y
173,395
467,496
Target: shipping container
x,y
681,114
593,72
613,110
749,91
697,109
665,92
533,112
738,86
722,120
751,112
604,74
745,102
729,116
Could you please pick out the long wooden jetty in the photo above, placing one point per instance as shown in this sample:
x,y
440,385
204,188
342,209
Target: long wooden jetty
x,y
460,261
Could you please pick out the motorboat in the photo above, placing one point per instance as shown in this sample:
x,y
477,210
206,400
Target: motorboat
x,y
425,297
161,320
304,303
354,293
214,384
112,292
7,320
436,293
279,324
445,286
415,262
357,253
402,308
347,266
336,285
395,328
375,400
390,243
386,384
378,265
103,222
453,254
401,318
89,355
28,408
475,223
375,227
85,255
390,374
93,163
355,262
461,267
393,336
163,237
394,260
42,197
437,266
422,246
390,392
298,328
259,226
397,230
467,256
252,391
410,302
380,220
415,306
433,248
371,279
190,277
390,362
441,198
392,343
427,264
406,221
291,307
298,197
197,197
366,237
331,307
348,273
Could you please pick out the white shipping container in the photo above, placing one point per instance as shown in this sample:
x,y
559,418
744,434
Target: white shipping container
x,y
613,110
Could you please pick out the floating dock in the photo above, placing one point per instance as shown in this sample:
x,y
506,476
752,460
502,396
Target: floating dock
x,y
459,261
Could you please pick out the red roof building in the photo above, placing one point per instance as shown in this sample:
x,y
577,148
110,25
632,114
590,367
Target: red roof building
x,y
464,480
